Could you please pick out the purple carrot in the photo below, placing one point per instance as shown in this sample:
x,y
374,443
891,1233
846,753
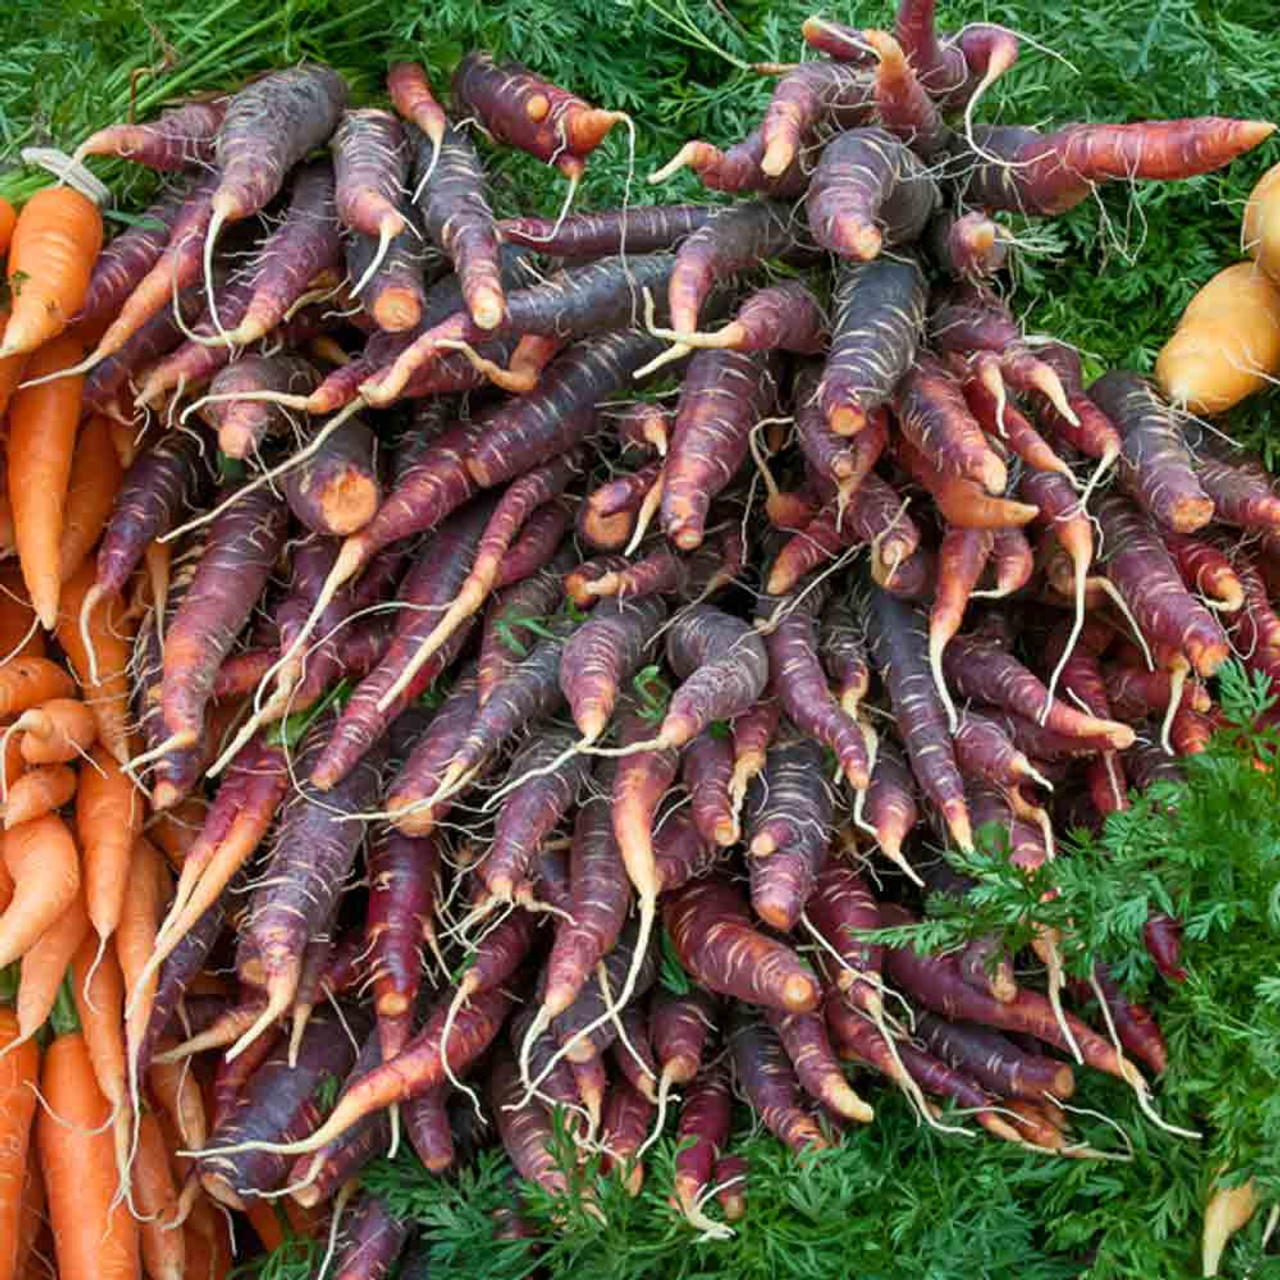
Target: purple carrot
x,y
639,229
181,138
764,1073
336,491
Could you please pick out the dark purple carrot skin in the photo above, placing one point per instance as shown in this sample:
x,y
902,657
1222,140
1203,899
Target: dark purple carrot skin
x,y
723,667
395,295
986,673
713,935
537,544
242,547
1036,173
1147,576
788,828
242,425
129,257
736,239
868,192
606,517
939,64
740,168
723,396
178,139
680,1028
898,635
797,676
1157,468
106,381
336,491
403,889
279,1103
764,1073
639,1069
601,895
706,770
230,1078
180,966
422,770
1096,435
984,750
706,1119
426,1123
812,95
557,1084
628,1117
458,220
785,317
166,481
604,653
1039,743
533,810
935,982
589,1008
433,581
1163,938
507,638
525,1130
305,243
1136,1029
844,654
680,854
268,127
994,1061
902,104
891,799
1241,487
559,413
970,248
842,907
372,1239
315,850
804,1040
370,169
639,229
500,953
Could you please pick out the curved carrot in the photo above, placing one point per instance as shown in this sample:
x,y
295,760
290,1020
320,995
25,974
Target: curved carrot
x,y
45,965
27,682
42,433
19,1068
55,244
98,987
94,1235
91,492
39,791
56,732
40,855
8,217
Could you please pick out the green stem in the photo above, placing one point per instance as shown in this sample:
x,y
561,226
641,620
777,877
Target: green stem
x,y
64,1019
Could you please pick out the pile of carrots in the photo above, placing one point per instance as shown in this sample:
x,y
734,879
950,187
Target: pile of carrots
x,y
420,617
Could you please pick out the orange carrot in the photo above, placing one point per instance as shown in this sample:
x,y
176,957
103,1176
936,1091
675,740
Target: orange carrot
x,y
8,216
56,732
18,637
42,435
45,965
176,1092
144,908
175,830
156,1194
38,792
208,1242
27,682
98,988
111,633
265,1222
95,1238
95,476
12,764
32,1219
109,814
12,368
41,857
55,244
19,1069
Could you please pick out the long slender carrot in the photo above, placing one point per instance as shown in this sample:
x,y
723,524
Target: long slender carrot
x,y
42,433
109,815
45,965
91,491
163,1251
95,1237
19,1069
55,244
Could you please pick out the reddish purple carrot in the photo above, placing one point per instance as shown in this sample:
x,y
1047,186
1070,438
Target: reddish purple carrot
x,y
639,229
178,139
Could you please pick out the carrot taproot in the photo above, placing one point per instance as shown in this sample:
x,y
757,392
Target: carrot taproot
x,y
1258,228
724,394
739,169
637,229
961,502
969,247
1238,482
337,490
19,1071
91,493
370,160
411,95
869,192
710,927
765,1075
1026,171
42,431
57,732
40,857
39,790
51,255
94,1233
524,1127
162,1246
810,96
28,682
107,635
707,772
20,634
8,219
180,138
45,965
98,989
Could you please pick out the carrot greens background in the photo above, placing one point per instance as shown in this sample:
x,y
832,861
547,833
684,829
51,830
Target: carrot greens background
x,y
893,1200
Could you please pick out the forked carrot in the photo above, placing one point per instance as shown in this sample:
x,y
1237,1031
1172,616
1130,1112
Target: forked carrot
x,y
54,246
19,1070
95,1237
42,436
